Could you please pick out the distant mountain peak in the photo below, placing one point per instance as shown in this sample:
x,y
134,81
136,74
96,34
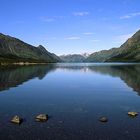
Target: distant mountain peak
x,y
72,58
85,54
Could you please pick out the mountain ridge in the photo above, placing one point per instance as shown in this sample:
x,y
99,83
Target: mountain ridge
x,y
72,58
15,50
127,52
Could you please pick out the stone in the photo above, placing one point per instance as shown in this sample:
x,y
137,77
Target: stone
x,y
132,114
17,120
41,118
60,121
103,119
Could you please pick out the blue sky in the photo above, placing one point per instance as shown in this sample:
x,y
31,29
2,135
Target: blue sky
x,y
71,26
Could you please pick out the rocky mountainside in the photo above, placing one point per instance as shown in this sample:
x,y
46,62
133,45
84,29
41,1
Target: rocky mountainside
x,y
71,58
128,52
102,56
14,50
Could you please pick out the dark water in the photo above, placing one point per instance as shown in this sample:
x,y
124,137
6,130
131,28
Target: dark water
x,y
75,96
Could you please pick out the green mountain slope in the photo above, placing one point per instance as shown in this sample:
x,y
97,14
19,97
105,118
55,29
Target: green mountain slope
x,y
102,56
15,50
72,58
128,52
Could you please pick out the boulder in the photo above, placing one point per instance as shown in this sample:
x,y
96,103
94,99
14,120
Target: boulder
x,y
103,119
17,120
41,118
133,114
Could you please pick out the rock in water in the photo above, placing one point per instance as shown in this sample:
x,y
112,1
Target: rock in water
x,y
103,119
17,120
41,118
132,114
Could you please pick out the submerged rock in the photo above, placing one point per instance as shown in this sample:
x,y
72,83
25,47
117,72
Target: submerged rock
x,y
60,121
132,114
41,118
17,120
103,119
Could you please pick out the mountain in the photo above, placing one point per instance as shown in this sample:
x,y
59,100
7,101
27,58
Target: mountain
x,y
85,54
13,50
72,58
128,52
102,56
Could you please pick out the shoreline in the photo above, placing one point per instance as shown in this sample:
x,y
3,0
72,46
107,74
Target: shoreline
x,y
25,63
45,63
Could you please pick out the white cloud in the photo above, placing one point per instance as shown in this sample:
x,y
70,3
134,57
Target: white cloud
x,y
95,40
53,38
88,33
130,15
72,38
51,19
47,19
81,13
18,22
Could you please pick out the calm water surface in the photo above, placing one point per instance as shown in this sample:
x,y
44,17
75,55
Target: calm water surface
x,y
74,96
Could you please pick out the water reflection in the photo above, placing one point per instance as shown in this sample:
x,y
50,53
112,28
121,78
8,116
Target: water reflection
x,y
74,96
13,76
129,73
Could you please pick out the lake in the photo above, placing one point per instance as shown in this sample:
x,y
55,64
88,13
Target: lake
x,y
74,96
